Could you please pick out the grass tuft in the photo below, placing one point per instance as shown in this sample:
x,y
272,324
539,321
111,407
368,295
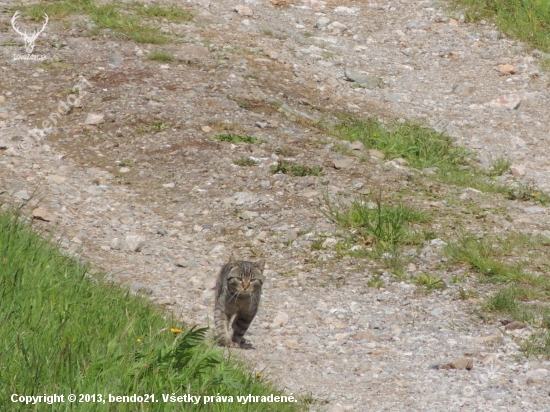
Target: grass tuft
x,y
376,223
528,20
234,138
429,281
161,56
245,161
107,16
420,146
293,169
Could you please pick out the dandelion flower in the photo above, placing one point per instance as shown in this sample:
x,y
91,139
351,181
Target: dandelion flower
x,y
138,340
176,330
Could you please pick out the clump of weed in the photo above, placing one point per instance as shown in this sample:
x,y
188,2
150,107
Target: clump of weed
x,y
245,161
480,254
159,55
285,151
234,138
465,294
422,147
154,126
376,282
106,16
527,192
527,20
172,14
378,223
499,166
127,163
317,245
293,169
429,281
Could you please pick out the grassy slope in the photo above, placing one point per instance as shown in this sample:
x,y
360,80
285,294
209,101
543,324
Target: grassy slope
x,y
528,20
63,332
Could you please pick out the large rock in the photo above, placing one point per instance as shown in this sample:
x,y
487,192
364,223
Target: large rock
x,y
42,214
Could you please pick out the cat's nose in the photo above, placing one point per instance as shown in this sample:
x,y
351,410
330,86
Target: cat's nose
x,y
246,286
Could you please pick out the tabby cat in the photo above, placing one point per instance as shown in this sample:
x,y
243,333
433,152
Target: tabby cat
x,y
238,292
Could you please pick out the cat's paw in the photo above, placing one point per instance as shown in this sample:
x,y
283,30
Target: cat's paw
x,y
246,345
242,343
227,342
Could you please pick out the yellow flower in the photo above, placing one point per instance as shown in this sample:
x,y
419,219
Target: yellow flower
x,y
536,195
375,135
176,330
138,340
259,376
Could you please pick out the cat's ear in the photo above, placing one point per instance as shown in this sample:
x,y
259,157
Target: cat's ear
x,y
260,264
232,260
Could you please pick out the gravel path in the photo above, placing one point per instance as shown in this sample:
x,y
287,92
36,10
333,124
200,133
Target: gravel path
x,y
131,181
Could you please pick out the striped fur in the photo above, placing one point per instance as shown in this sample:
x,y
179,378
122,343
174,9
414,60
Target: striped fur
x,y
238,292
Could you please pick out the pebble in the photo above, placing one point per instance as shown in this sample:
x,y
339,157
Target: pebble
x,y
460,364
280,320
329,242
43,214
94,118
22,195
365,80
291,343
517,170
344,163
243,10
140,288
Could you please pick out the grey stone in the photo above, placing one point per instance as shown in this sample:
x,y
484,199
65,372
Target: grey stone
x,y
140,288
364,80
322,22
22,195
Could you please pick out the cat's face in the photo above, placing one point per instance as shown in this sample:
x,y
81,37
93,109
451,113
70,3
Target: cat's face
x,y
245,277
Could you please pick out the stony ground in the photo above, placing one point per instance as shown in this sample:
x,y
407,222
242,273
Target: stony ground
x,y
131,181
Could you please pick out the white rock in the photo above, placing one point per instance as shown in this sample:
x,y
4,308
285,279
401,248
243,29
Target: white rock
x,y
280,320
94,119
322,22
330,241
346,10
517,170
134,242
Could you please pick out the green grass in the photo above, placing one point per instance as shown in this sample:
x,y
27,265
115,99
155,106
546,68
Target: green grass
x,y
153,126
293,169
499,166
376,282
172,14
513,300
380,224
108,16
528,20
429,281
519,263
245,161
234,138
482,255
65,332
160,56
425,148
420,146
